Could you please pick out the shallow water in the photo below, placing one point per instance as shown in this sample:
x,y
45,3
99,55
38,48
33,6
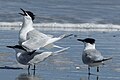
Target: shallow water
x,y
63,66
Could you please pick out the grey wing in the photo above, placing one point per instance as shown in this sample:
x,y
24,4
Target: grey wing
x,y
34,34
35,40
40,57
92,56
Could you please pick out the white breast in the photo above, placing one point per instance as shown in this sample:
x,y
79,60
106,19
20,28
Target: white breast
x,y
18,54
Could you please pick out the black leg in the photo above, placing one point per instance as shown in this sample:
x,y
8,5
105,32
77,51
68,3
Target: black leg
x,y
97,69
28,69
34,66
88,70
97,78
34,70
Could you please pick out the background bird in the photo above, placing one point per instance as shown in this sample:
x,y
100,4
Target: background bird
x,y
91,56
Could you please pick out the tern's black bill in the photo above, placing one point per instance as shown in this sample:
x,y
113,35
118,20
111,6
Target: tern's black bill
x,y
80,40
10,46
24,12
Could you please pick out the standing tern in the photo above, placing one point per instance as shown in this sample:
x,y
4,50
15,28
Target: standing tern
x,y
91,56
32,39
32,58
29,58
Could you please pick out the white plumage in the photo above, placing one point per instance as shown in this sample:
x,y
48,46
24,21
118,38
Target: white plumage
x,y
32,39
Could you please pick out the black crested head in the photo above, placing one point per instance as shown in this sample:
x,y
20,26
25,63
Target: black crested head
x,y
27,12
31,14
89,40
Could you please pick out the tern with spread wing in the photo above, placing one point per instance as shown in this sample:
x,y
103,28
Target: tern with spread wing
x,y
32,39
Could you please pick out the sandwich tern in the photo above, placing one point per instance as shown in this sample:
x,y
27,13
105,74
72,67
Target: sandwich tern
x,y
91,56
32,58
29,58
32,39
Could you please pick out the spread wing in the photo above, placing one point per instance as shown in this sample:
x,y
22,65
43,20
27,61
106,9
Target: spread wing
x,y
35,40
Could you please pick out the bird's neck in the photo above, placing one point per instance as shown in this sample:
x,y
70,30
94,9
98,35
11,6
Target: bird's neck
x,y
19,52
27,24
89,46
26,27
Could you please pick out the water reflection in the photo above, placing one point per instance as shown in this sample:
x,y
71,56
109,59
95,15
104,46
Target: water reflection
x,y
90,77
25,76
96,77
